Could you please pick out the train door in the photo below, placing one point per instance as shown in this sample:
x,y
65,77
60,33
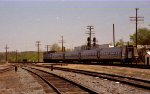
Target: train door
x,y
147,60
129,52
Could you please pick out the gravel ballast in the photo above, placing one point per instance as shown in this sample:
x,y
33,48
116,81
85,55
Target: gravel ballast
x,y
20,82
102,86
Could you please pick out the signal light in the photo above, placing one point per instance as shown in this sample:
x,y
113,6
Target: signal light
x,y
94,44
88,39
88,44
94,39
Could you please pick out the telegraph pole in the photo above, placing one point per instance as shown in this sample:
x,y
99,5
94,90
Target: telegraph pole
x,y
16,56
114,35
6,47
90,33
136,19
47,47
38,46
62,41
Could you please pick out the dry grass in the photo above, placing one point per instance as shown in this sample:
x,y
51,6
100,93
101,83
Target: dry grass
x,y
133,72
2,63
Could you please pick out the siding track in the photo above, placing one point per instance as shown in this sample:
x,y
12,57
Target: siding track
x,y
140,83
6,69
59,84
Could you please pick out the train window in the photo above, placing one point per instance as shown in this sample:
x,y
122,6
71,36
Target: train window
x,y
113,53
130,50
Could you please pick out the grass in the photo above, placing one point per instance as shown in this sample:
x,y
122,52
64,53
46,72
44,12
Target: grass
x,y
133,72
29,55
2,63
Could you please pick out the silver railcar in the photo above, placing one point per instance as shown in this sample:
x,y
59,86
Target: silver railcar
x,y
114,54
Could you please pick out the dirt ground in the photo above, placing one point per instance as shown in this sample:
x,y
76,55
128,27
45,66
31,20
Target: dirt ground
x,y
19,82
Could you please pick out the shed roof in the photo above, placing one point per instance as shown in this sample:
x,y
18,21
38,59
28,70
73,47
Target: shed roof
x,y
148,53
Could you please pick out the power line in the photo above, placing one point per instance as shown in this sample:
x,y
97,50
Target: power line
x,y
90,33
6,48
16,55
136,19
38,48
114,35
47,47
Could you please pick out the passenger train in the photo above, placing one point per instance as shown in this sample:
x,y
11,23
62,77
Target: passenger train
x,y
126,54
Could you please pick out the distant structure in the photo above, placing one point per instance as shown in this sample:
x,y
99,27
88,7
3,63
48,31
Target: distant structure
x,y
6,47
114,35
16,55
38,48
147,58
136,19
84,47
47,48
62,43
144,46
89,45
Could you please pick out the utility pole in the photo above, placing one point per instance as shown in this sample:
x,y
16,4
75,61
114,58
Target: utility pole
x,y
16,56
38,46
90,33
62,44
136,19
6,47
47,47
114,35
62,41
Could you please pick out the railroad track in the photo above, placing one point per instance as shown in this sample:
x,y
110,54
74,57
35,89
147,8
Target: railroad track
x,y
59,84
140,83
6,69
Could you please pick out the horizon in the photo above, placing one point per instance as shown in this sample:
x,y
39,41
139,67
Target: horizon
x,y
25,22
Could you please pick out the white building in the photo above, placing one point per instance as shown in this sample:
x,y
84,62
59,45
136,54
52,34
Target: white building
x,y
147,58
84,47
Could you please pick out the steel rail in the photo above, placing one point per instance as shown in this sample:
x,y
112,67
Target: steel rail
x,y
123,79
6,69
51,85
55,88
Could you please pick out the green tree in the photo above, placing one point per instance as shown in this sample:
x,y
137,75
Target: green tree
x,y
68,50
143,36
120,43
55,47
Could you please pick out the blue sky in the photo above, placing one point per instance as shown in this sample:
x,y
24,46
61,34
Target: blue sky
x,y
23,22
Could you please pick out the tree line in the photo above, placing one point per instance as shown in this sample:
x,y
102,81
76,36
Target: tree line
x,y
143,38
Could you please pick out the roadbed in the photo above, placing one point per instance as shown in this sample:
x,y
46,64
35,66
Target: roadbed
x,y
20,82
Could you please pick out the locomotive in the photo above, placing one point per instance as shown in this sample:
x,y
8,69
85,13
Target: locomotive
x,y
126,54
